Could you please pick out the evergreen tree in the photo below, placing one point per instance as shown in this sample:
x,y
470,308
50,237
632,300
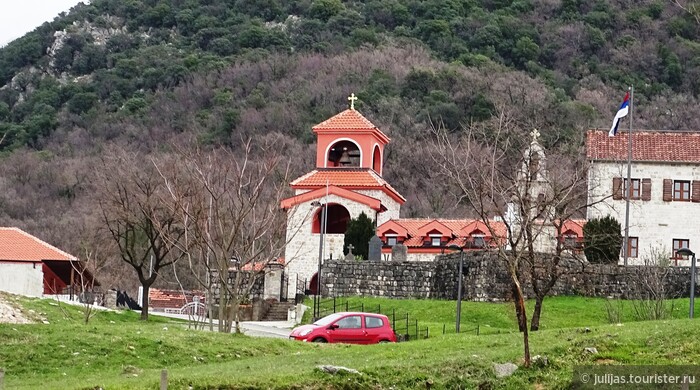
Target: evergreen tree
x,y
360,231
602,240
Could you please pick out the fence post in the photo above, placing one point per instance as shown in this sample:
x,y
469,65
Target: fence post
x,y
416,329
379,308
346,305
164,379
407,328
334,304
393,317
443,328
362,306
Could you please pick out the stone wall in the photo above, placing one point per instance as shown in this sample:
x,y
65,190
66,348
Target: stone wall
x,y
486,279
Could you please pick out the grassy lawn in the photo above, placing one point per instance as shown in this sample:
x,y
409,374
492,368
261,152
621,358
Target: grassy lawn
x,y
117,351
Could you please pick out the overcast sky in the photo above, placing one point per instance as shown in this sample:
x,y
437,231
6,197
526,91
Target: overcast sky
x,y
19,17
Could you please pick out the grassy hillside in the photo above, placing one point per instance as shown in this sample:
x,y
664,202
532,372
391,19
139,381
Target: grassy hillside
x,y
116,351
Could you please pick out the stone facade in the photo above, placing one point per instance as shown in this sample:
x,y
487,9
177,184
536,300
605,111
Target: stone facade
x,y
654,222
486,279
301,253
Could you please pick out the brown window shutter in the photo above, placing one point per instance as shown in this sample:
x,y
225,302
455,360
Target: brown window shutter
x,y
646,189
617,188
668,190
695,193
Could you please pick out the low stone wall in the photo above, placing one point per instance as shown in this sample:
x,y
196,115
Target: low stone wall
x,y
485,278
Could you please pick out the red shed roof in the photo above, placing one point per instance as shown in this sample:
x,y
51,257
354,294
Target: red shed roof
x,y
662,146
18,245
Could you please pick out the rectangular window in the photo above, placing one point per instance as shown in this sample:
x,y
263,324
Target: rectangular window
x,y
632,247
435,240
678,244
570,241
391,240
635,189
479,241
373,322
681,190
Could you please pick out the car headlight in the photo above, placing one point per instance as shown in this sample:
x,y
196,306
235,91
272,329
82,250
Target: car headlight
x,y
305,332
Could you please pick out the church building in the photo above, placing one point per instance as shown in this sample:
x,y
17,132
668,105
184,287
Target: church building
x,y
347,181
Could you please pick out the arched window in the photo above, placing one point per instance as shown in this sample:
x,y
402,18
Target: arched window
x,y
377,160
336,220
344,153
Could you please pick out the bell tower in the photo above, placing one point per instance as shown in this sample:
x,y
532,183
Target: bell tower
x,y
349,140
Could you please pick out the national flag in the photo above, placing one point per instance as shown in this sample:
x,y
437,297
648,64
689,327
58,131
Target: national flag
x,y
621,113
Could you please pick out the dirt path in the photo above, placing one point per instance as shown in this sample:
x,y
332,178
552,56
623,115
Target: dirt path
x,y
10,315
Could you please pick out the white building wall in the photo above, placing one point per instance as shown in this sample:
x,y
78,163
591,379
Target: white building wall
x,y
302,250
22,278
656,223
393,208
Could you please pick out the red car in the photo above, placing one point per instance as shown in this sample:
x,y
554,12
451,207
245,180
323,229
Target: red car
x,y
347,327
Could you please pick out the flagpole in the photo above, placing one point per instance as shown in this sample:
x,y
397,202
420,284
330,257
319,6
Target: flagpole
x,y
628,189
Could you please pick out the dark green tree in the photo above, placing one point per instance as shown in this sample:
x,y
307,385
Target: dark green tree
x,y
602,240
360,231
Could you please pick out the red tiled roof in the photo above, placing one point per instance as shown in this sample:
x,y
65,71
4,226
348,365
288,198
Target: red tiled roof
x,y
375,204
646,146
574,225
174,299
349,178
347,120
258,266
17,245
457,226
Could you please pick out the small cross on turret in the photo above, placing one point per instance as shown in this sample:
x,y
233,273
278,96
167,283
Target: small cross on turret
x,y
352,99
535,134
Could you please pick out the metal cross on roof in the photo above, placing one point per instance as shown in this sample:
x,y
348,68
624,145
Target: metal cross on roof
x,y
352,99
534,133
350,248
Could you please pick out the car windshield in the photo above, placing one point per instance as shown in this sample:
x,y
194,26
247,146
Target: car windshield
x,y
327,320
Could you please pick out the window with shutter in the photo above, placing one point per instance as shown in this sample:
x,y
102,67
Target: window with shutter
x,y
617,188
646,189
695,194
668,190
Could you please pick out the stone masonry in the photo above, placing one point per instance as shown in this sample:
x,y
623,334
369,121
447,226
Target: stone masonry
x,y
486,279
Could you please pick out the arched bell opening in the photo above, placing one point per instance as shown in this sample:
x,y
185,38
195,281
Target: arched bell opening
x,y
377,160
344,153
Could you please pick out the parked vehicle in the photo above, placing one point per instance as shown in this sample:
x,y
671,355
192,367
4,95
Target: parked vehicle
x,y
347,327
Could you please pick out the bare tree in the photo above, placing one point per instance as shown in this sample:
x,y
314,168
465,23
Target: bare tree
x,y
651,300
502,172
95,252
130,195
234,230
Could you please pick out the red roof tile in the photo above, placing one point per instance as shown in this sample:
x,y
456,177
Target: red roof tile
x,y
174,299
349,178
646,146
375,204
17,245
347,120
457,226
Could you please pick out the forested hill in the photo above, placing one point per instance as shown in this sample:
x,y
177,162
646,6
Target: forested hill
x,y
143,72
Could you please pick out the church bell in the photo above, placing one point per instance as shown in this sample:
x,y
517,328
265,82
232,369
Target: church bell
x,y
345,158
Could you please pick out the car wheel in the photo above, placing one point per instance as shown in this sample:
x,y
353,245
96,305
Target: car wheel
x,y
383,341
319,340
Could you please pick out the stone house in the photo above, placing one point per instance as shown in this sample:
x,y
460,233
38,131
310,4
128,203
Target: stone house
x,y
664,189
